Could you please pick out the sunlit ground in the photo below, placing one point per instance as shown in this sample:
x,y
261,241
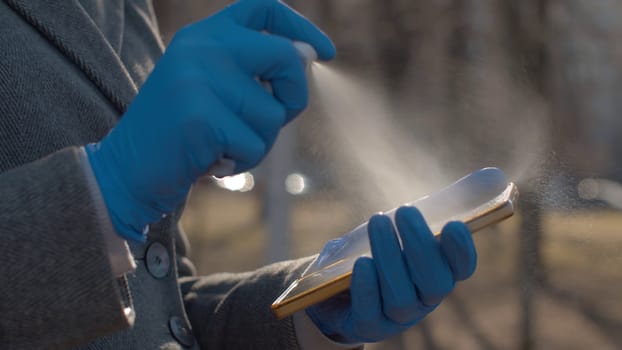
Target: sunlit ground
x,y
578,308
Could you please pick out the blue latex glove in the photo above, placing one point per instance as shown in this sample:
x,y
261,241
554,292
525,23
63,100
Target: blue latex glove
x,y
203,101
398,287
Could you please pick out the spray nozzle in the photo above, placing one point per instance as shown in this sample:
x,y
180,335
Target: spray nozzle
x,y
226,167
306,52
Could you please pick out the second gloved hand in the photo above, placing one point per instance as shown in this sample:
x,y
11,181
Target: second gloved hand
x,y
399,286
203,102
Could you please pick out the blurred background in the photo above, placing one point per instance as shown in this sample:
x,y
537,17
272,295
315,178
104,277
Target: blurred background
x,y
420,94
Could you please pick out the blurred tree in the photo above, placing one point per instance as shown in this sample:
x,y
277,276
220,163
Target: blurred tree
x,y
393,38
585,47
527,28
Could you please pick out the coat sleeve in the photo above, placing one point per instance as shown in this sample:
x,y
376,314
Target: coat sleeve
x,y
220,305
56,281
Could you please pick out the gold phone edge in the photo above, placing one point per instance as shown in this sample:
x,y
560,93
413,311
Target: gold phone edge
x,y
287,307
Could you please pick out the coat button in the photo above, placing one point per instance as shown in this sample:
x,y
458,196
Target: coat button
x,y
180,331
158,260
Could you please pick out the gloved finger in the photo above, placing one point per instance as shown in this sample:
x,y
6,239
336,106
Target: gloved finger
x,y
236,139
263,113
399,297
367,322
428,268
277,18
459,250
272,59
250,101
275,60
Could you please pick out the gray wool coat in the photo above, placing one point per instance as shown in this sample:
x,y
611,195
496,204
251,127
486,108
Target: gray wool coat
x,y
67,74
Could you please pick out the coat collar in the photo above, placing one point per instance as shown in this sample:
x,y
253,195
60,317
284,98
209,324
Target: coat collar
x,y
68,27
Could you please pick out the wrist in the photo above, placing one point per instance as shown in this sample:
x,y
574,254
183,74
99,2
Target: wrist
x,y
119,255
311,337
128,219
322,326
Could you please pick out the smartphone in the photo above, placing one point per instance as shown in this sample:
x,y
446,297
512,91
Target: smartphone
x,y
480,199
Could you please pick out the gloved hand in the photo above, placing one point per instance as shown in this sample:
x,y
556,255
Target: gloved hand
x,y
203,101
399,286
